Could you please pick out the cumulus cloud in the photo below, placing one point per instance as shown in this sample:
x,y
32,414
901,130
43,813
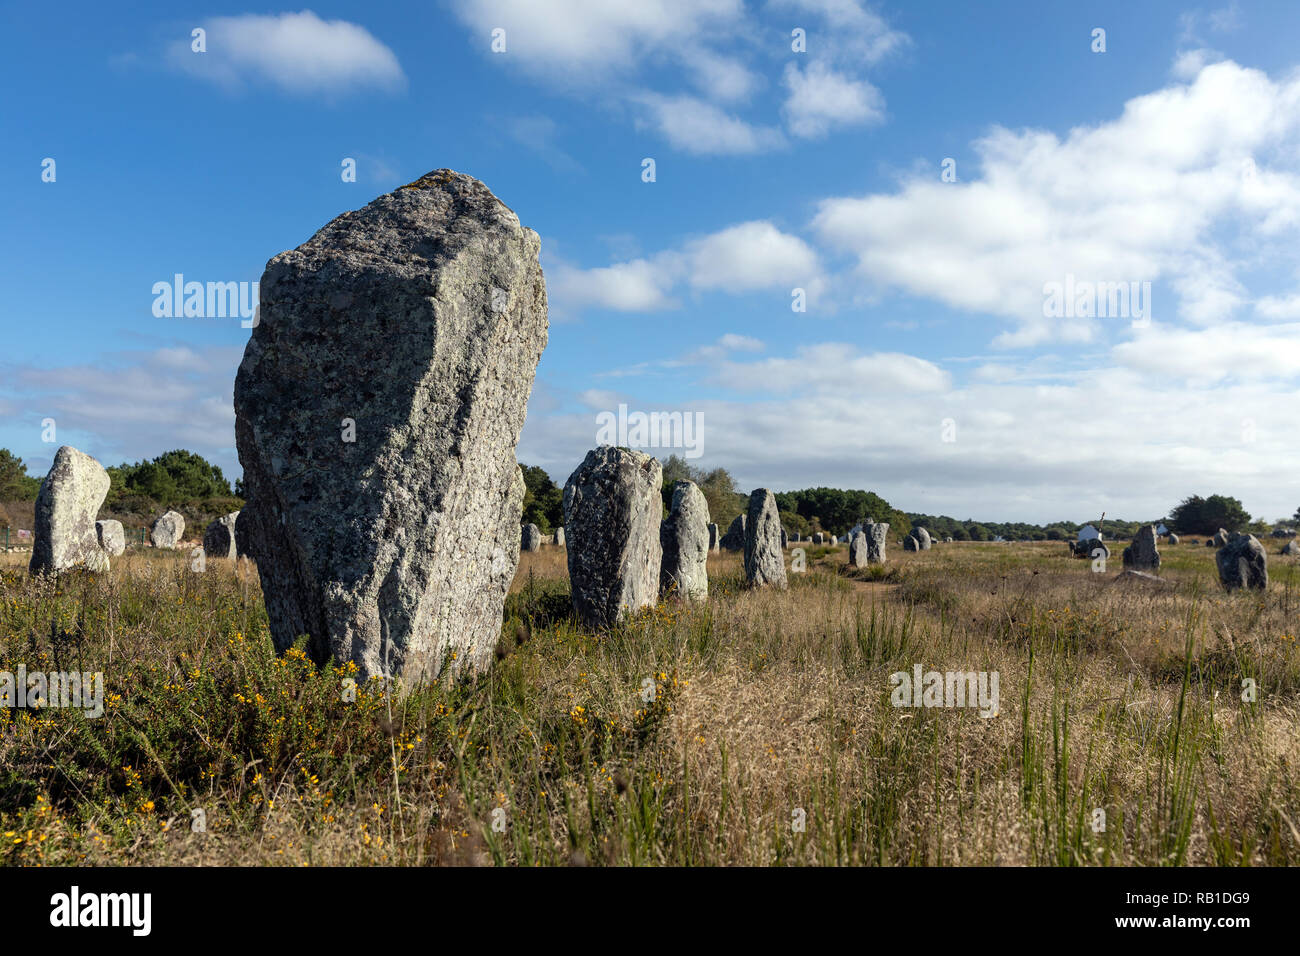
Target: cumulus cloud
x,y
696,126
298,52
1159,193
601,50
746,257
821,98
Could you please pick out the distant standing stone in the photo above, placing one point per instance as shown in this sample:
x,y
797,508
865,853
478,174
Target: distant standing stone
x,y
219,538
684,537
923,538
1221,538
877,533
559,536
1291,548
911,543
764,560
1242,563
734,539
612,507
66,505
112,539
168,530
785,539
530,538
1173,538
858,550
818,538
714,537
1142,554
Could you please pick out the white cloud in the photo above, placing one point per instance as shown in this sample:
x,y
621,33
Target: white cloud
x,y
821,98
637,286
562,37
750,255
747,257
1159,193
298,52
1231,350
696,126
138,404
832,415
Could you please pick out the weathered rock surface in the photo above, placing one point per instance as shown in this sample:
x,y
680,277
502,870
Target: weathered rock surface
x,y
764,559
877,533
734,539
530,538
64,535
684,537
168,530
377,407
111,537
612,506
858,550
1242,563
1142,554
219,537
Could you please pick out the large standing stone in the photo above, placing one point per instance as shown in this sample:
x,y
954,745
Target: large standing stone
x,y
764,559
612,506
168,530
377,408
684,536
923,538
66,506
1242,563
530,538
111,537
219,537
734,539
714,537
1142,554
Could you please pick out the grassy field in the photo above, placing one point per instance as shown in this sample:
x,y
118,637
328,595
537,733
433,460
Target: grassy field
x,y
689,735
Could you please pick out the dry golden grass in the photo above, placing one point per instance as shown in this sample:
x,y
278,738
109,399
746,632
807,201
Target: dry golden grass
x,y
766,705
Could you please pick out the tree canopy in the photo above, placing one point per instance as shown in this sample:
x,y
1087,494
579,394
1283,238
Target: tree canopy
x,y
15,483
172,478
1197,515
543,500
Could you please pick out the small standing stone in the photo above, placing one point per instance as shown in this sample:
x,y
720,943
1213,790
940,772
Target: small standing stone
x,y
1291,548
1242,563
612,508
764,560
112,539
559,536
530,538
219,538
168,530
66,505
734,539
684,538
714,537
1142,554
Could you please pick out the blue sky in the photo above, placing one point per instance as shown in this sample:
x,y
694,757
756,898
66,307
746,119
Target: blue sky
x,y
1171,158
